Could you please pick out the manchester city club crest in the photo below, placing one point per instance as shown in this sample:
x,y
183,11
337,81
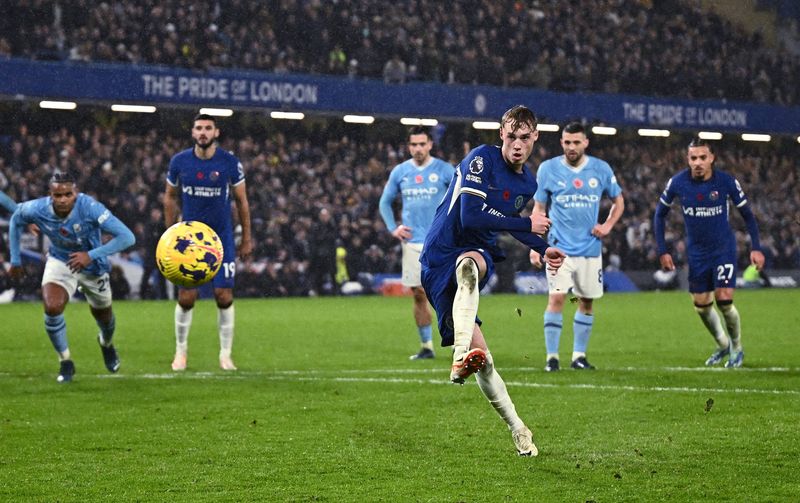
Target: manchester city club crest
x,y
476,165
593,182
433,178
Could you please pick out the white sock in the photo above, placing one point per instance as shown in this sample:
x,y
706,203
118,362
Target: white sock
x,y
733,323
494,389
64,355
465,305
183,322
225,326
428,345
713,324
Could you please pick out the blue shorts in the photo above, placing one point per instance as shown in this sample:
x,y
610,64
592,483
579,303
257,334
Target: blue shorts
x,y
440,287
710,272
225,276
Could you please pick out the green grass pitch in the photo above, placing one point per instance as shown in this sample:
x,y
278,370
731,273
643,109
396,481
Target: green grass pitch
x,y
326,406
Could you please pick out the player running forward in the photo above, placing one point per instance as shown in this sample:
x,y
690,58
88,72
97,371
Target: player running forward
x,y
421,181
74,223
206,174
704,194
491,188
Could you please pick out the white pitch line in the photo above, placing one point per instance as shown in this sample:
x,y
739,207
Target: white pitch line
x,y
297,376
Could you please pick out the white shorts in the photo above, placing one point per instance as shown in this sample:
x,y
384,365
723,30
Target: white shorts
x,y
584,275
97,289
412,269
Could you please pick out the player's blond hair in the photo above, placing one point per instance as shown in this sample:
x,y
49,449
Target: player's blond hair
x,y
518,116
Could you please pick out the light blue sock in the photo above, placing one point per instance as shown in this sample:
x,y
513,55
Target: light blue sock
x,y
107,329
56,329
582,326
552,331
425,333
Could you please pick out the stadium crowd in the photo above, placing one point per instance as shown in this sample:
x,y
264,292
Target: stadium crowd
x,y
291,178
655,47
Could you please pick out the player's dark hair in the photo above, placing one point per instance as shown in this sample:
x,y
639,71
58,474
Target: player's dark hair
x,y
699,142
519,115
575,127
61,177
420,130
206,117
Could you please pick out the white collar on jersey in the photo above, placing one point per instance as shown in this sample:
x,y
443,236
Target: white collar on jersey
x,y
579,167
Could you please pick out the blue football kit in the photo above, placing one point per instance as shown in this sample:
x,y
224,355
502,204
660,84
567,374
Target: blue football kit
x,y
574,195
485,197
205,196
421,189
81,230
710,242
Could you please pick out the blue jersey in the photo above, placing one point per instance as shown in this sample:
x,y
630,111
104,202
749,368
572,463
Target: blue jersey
x,y
79,231
574,196
205,186
705,212
486,197
7,203
422,189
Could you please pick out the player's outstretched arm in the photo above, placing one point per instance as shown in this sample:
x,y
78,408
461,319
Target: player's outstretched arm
x,y
475,214
554,258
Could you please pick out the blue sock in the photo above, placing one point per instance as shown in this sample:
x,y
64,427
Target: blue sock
x,y
582,326
552,331
425,333
107,329
56,329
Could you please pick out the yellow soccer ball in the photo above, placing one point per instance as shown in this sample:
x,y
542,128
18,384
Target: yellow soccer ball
x,y
189,254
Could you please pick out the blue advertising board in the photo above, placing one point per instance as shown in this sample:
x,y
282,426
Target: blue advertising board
x,y
241,89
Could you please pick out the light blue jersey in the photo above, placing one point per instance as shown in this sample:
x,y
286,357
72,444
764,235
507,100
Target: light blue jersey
x,y
422,189
574,195
80,231
7,203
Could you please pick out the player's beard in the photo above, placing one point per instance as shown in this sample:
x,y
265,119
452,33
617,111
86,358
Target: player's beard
x,y
574,158
204,146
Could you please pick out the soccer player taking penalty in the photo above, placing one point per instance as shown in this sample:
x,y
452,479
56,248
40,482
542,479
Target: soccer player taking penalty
x,y
206,174
74,223
704,194
492,186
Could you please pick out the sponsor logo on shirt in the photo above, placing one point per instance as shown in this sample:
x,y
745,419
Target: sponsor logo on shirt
x,y
703,211
420,192
473,178
577,200
199,191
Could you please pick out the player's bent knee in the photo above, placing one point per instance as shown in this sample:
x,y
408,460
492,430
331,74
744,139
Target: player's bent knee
x,y
467,272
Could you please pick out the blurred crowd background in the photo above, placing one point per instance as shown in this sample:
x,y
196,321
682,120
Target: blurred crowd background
x,y
314,186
